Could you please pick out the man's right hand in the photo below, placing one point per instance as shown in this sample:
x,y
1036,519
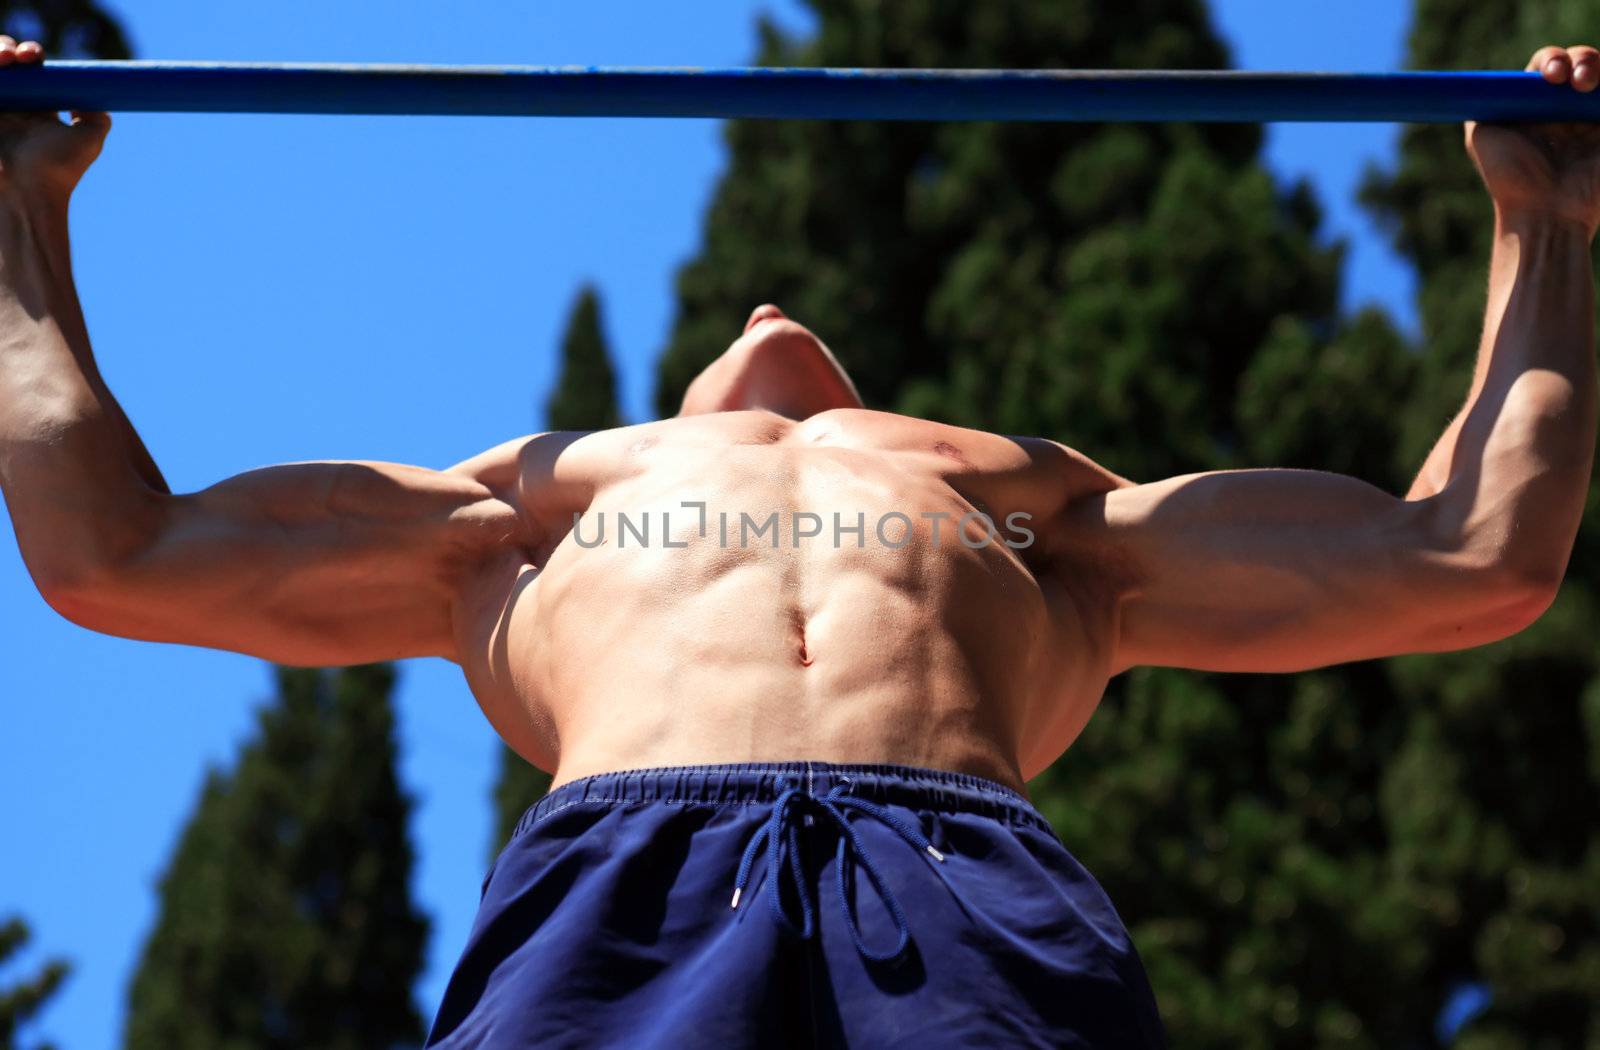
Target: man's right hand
x,y
38,153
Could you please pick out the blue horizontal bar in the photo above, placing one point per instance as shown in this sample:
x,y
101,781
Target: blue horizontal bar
x,y
812,94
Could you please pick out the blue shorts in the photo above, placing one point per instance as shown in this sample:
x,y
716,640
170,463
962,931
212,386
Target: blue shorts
x,y
877,907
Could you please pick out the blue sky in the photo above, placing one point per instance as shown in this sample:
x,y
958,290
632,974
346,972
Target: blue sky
x,y
267,289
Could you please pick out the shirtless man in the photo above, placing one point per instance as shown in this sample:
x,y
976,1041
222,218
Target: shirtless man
x,y
789,654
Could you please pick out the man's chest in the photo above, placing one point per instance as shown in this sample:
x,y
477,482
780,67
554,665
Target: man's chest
x,y
845,461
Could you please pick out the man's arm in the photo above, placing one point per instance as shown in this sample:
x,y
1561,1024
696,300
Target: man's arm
x,y
1279,570
326,563
309,563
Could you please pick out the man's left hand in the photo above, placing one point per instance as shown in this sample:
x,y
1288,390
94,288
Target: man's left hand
x,y
1545,170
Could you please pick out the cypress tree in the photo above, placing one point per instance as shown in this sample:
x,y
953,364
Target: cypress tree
x,y
286,915
1088,281
585,394
22,999
584,398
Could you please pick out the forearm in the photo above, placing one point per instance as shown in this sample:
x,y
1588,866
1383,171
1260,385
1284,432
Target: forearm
x,y
78,483
1511,472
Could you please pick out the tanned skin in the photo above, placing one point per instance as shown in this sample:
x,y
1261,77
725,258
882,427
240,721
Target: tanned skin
x,y
986,660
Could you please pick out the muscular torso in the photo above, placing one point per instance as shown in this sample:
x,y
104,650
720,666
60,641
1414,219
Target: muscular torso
x,y
663,633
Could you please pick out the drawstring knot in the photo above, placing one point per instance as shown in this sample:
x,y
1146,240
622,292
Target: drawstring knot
x,y
781,835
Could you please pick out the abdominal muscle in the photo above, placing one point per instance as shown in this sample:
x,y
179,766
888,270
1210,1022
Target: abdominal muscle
x,y
890,648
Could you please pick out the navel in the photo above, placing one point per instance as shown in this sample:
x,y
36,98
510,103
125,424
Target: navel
x,y
802,647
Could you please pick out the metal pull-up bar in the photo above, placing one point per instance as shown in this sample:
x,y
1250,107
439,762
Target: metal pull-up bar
x,y
802,94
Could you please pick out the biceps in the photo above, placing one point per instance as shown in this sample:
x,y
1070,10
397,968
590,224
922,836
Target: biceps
x,y
1290,570
310,564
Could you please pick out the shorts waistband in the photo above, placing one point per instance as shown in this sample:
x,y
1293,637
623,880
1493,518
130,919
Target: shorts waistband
x,y
749,783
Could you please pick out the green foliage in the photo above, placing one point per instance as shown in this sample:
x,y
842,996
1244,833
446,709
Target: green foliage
x,y
22,1000
1307,861
938,259
584,398
286,914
